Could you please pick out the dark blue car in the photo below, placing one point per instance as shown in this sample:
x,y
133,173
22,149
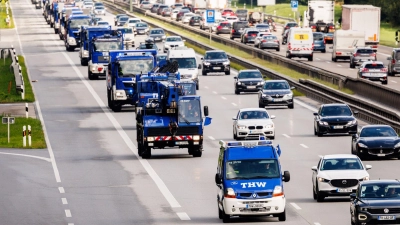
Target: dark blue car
x,y
319,42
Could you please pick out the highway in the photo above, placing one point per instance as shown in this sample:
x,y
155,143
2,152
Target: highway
x,y
94,162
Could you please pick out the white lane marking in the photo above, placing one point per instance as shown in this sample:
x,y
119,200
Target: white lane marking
x,y
64,201
286,135
215,92
383,54
393,81
351,69
234,104
223,97
317,224
303,145
328,62
68,213
61,189
70,224
305,105
183,216
146,165
317,59
30,156
205,87
339,65
295,206
211,137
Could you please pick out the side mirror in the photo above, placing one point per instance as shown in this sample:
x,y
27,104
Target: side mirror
x,y
315,114
286,176
218,179
389,58
291,88
272,117
233,118
352,196
202,58
314,168
235,78
199,67
368,167
206,110
355,112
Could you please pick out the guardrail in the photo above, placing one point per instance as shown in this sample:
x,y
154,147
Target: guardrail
x,y
367,111
16,68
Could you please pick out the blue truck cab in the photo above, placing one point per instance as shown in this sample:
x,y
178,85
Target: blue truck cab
x,y
250,180
86,35
73,24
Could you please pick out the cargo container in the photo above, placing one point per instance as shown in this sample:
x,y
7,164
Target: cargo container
x,y
320,16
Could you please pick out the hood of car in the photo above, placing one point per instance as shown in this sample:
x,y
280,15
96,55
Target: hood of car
x,y
386,202
337,118
216,60
250,79
141,28
178,43
343,174
277,92
379,142
156,35
255,122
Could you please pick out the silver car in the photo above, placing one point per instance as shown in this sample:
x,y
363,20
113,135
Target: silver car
x,y
99,10
259,36
253,123
373,70
360,55
269,41
394,62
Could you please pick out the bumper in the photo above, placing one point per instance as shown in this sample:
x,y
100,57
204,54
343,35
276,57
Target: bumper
x,y
356,61
218,68
366,217
141,32
236,35
98,69
239,207
300,53
374,77
269,45
246,133
330,190
329,129
222,31
379,153
276,101
319,48
167,141
249,40
244,88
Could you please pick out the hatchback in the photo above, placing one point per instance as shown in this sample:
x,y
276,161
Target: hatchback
x,y
249,35
269,41
319,42
195,21
160,8
223,28
374,71
360,55
238,28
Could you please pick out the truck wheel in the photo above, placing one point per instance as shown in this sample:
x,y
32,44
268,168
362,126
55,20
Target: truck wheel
x,y
219,212
90,75
117,107
204,73
84,62
384,82
51,25
69,49
108,99
197,151
282,216
225,218
146,154
56,30
334,59
310,58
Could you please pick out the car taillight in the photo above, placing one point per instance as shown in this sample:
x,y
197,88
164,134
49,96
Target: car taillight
x,y
375,46
355,54
245,35
219,27
373,54
276,41
264,41
324,41
365,70
287,27
393,61
253,35
312,46
338,53
233,31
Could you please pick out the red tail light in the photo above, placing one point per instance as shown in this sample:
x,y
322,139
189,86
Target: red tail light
x,y
219,27
373,54
253,35
245,35
324,41
276,41
365,70
264,41
375,46
312,46
99,69
393,61
356,54
286,27
338,53
233,31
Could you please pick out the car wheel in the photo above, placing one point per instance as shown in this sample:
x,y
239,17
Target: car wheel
x,y
282,216
352,65
291,106
319,134
234,135
314,194
384,82
323,51
204,73
278,49
237,92
320,195
334,59
231,38
228,72
315,131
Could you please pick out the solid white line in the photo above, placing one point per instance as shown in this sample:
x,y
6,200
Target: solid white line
x,y
205,87
393,81
305,105
211,137
303,145
339,65
286,135
31,156
328,62
317,59
70,224
215,92
61,189
223,97
295,206
68,213
146,165
64,201
317,224
234,104
183,216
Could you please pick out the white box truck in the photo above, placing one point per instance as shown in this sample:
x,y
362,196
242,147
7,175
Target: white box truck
x,y
365,18
320,16
218,4
344,43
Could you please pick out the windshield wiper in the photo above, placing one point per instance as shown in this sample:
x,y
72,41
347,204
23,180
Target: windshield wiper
x,y
239,178
184,119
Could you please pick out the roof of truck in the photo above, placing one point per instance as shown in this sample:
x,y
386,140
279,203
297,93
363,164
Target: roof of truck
x,y
359,6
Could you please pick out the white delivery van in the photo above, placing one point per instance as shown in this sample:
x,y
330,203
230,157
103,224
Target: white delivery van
x,y
300,43
344,43
187,61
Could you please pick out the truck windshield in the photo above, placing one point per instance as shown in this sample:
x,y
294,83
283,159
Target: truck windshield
x,y
103,46
252,169
188,88
185,63
130,68
189,111
78,23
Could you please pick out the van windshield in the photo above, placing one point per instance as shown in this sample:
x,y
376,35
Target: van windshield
x,y
185,63
252,169
318,37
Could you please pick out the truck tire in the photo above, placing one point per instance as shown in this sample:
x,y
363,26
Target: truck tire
x,y
84,62
108,99
146,154
225,218
228,72
310,58
56,30
282,216
90,75
197,151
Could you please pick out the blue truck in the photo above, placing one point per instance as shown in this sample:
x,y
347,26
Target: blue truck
x,y
87,33
72,26
122,69
250,180
99,48
166,117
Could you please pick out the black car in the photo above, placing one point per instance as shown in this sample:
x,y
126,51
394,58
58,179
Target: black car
x,y
376,140
335,118
276,92
238,28
376,202
157,34
248,81
195,21
216,61
288,26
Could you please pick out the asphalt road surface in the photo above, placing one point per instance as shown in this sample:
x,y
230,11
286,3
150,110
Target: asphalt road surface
x,y
94,175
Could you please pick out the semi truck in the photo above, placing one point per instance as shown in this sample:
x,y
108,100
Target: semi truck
x,y
320,16
366,18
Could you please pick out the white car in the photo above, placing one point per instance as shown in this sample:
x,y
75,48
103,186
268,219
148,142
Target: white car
x,y
187,16
99,10
133,21
129,35
259,37
174,13
172,42
88,5
102,23
253,123
337,175
231,19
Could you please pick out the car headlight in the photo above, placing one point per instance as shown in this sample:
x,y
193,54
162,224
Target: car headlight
x,y
352,122
264,96
278,191
288,96
397,145
230,193
163,37
226,63
150,138
239,83
361,145
206,63
320,179
118,24
323,123
196,137
241,126
364,178
269,126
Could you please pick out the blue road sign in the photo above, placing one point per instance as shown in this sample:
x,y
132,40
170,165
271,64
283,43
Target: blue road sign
x,y
294,4
210,16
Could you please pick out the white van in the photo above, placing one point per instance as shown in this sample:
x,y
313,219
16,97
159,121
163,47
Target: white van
x,y
186,58
300,43
344,43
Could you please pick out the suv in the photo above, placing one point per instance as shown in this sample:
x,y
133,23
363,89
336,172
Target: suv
x,y
276,92
319,42
248,81
223,28
249,35
250,180
242,14
154,8
374,71
238,28
375,201
216,61
360,55
117,17
288,26
160,8
394,62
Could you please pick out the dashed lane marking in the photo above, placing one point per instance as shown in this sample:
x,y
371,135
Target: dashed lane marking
x,y
286,135
215,92
61,189
183,216
205,87
234,104
317,224
211,137
339,65
223,97
393,81
68,213
295,206
303,145
328,62
64,201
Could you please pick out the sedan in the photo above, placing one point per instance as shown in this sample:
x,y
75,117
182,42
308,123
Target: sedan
x,y
269,41
102,23
157,34
223,28
141,28
248,81
253,123
259,36
231,19
133,21
166,12
374,71
99,10
172,42
335,118
276,92
263,27
122,20
117,17
377,141
337,175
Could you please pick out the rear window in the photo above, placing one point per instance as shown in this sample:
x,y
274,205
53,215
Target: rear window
x,y
225,24
318,37
374,66
253,32
291,24
237,25
262,26
397,55
365,51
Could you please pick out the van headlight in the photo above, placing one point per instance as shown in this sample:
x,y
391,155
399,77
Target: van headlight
x,y
150,138
278,191
196,137
288,96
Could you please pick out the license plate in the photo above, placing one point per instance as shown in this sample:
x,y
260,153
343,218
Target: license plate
x,y
141,32
251,87
216,68
381,155
181,142
278,100
157,38
252,206
317,45
344,190
386,217
337,127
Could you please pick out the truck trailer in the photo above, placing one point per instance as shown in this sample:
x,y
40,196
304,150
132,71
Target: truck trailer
x,y
320,16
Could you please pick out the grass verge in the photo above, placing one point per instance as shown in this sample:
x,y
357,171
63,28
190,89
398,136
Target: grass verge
x,y
288,72
38,141
3,16
29,96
